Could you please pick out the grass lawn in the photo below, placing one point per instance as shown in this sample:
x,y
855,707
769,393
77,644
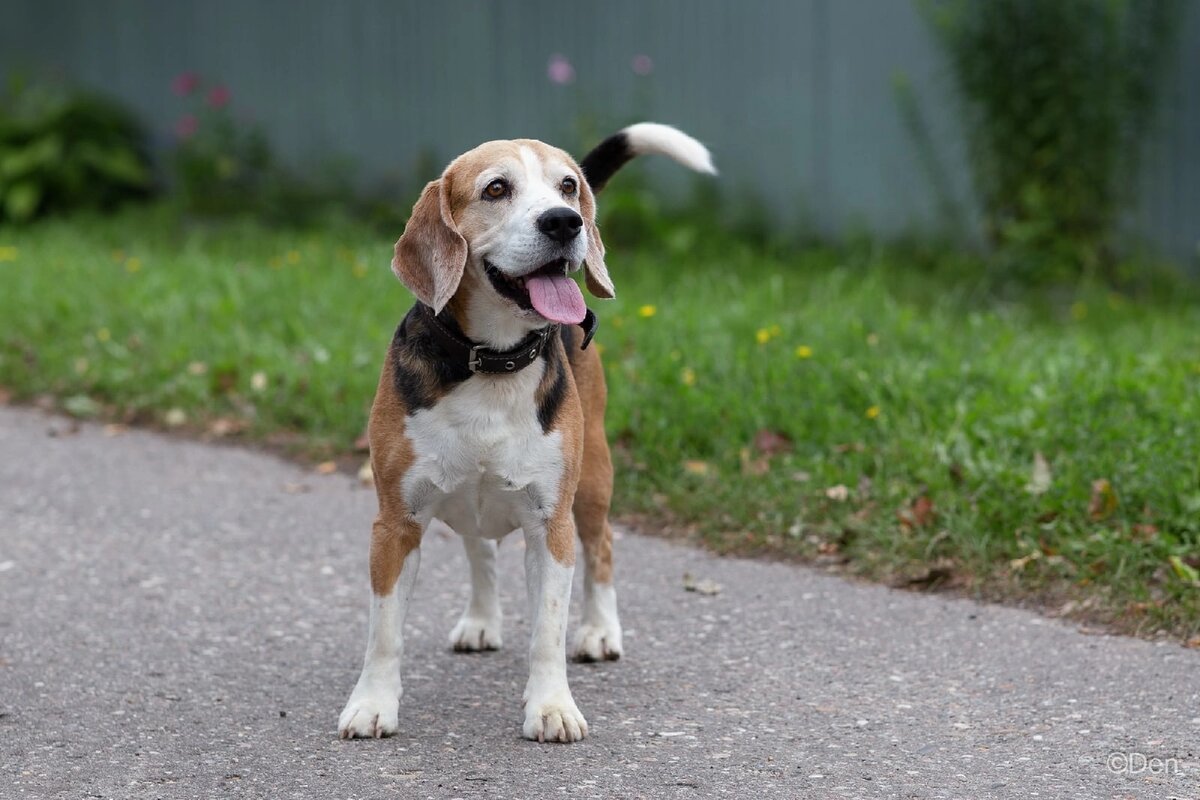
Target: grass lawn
x,y
853,408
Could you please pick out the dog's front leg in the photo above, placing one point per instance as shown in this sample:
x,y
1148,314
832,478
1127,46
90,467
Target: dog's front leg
x,y
550,711
374,705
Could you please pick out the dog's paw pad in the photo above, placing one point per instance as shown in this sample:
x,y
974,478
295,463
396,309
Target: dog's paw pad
x,y
597,643
554,722
370,716
472,635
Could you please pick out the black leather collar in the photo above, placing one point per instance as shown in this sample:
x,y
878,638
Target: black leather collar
x,y
480,359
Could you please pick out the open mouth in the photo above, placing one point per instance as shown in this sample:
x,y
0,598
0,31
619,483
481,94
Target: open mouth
x,y
517,288
548,290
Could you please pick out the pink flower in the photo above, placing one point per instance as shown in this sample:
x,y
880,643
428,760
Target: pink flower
x,y
185,83
642,64
559,70
185,126
218,97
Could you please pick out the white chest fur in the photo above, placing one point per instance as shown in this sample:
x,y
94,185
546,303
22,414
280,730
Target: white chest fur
x,y
482,463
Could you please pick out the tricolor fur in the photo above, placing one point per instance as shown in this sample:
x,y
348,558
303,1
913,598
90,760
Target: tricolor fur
x,y
489,250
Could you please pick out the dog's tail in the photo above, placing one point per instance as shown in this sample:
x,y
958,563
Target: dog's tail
x,y
643,138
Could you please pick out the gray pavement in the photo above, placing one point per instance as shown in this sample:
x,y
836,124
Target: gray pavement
x,y
181,620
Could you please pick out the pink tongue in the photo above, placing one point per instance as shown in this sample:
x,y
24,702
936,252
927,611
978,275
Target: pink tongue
x,y
557,298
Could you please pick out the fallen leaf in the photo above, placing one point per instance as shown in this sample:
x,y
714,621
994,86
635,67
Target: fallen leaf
x,y
327,467
695,467
1104,500
838,493
366,475
703,586
1039,476
226,426
5,396
931,578
1018,564
80,405
362,444
115,429
753,466
770,443
919,514
801,476
1193,642
175,417
296,488
1145,531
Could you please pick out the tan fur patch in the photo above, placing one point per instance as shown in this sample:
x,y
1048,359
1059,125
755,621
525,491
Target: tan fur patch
x,y
395,533
594,493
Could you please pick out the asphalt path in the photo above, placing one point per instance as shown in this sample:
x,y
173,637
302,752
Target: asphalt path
x,y
180,620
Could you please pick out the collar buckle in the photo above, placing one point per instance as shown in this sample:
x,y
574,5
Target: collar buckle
x,y
473,361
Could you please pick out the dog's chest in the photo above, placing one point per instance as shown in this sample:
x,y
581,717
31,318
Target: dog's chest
x,y
482,462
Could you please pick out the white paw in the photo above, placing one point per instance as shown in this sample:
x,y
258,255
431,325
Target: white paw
x,y
370,713
473,634
597,643
554,720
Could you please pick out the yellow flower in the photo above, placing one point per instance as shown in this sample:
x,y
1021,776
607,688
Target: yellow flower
x,y
688,376
360,269
803,351
103,334
8,253
118,256
873,412
647,311
293,257
133,265
762,335
599,348
1079,310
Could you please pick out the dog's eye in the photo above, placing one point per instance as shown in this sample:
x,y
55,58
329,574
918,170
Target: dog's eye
x,y
496,189
568,186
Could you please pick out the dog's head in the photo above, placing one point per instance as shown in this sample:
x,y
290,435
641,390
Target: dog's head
x,y
517,218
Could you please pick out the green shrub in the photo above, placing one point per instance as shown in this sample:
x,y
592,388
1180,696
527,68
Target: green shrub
x,y
63,149
1057,98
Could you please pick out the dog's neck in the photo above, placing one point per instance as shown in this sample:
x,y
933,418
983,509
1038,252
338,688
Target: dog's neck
x,y
485,318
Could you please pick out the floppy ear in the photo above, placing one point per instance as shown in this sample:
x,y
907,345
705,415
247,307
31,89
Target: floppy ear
x,y
595,271
431,254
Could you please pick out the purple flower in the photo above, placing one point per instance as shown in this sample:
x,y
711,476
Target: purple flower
x,y
185,83
559,70
185,126
218,97
642,64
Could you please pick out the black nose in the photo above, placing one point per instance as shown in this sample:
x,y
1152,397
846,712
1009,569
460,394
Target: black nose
x,y
561,224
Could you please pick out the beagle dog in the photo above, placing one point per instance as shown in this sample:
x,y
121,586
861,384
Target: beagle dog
x,y
489,415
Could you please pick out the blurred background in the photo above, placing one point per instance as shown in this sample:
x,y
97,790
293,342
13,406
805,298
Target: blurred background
x,y
936,321
833,116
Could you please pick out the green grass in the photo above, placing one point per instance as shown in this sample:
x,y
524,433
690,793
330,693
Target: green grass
x,y
925,395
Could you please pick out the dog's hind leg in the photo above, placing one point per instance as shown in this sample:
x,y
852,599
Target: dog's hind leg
x,y
599,635
479,628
